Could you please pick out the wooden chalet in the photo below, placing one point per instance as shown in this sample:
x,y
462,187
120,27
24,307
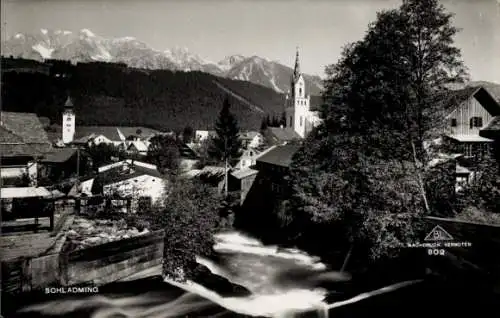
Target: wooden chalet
x,y
471,110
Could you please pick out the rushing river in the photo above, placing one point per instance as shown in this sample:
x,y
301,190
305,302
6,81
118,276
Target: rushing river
x,y
281,283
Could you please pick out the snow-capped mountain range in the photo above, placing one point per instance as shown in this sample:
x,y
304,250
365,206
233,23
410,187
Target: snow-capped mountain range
x,y
85,46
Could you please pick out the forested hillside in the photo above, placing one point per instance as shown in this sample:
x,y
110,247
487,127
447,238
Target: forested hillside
x,y
113,94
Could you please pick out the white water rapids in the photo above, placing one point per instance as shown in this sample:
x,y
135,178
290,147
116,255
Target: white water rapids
x,y
249,264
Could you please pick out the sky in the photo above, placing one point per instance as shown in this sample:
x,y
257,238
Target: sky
x,y
272,29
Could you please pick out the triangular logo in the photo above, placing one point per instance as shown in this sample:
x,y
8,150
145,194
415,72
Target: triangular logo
x,y
438,234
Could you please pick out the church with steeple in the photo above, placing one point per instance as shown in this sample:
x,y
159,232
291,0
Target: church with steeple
x,y
299,115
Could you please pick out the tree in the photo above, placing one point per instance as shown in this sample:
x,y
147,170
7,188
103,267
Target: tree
x,y
362,168
226,145
188,134
190,218
483,192
164,153
263,125
283,119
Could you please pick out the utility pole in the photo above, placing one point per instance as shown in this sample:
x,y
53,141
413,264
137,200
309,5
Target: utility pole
x,y
225,167
78,162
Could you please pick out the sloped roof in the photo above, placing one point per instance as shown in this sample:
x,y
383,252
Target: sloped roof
x,y
22,134
283,134
8,137
492,130
139,145
59,155
187,152
25,125
16,150
208,172
84,139
243,173
449,100
248,135
109,132
69,102
118,174
280,155
315,103
27,192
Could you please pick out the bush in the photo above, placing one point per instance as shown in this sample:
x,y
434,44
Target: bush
x,y
134,220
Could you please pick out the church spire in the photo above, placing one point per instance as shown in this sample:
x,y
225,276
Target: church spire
x,y
296,70
68,103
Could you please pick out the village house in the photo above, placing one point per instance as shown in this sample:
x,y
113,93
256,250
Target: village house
x,y
251,139
23,142
243,180
265,187
472,110
59,164
247,158
470,116
202,135
138,147
188,157
273,166
281,135
129,179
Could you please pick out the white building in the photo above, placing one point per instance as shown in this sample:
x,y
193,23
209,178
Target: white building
x,y
299,115
247,159
251,139
201,135
127,179
68,124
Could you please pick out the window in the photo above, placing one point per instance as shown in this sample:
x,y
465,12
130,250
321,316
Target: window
x,y
291,121
144,203
453,122
300,121
476,122
300,91
468,150
276,188
68,118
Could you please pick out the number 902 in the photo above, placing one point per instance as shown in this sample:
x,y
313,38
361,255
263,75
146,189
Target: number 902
x,y
435,252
